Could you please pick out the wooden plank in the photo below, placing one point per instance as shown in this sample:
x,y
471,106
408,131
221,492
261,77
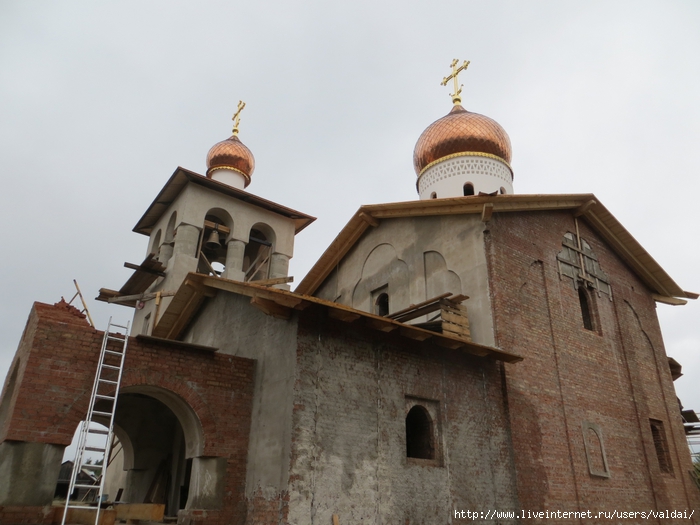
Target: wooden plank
x,y
668,300
336,521
369,219
584,208
343,315
276,280
449,343
456,318
140,511
219,227
413,333
86,516
281,297
415,306
458,328
106,292
379,324
138,268
481,352
455,300
139,297
455,327
486,212
271,308
177,316
456,331
425,310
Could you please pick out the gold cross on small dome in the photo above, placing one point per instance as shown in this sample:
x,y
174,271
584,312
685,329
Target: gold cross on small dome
x,y
456,99
237,117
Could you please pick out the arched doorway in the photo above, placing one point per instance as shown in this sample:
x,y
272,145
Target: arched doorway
x,y
157,437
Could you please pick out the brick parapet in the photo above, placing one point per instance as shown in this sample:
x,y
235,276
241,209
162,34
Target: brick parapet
x,y
57,358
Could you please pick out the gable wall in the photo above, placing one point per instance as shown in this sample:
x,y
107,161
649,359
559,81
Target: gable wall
x,y
616,378
419,258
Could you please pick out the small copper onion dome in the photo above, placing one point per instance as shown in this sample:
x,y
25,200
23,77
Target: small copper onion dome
x,y
231,154
460,132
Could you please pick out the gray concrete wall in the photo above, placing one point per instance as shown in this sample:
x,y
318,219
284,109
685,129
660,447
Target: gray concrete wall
x,y
236,328
349,442
418,258
28,472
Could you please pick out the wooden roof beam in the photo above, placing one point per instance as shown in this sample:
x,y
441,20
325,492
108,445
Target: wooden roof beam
x,y
271,308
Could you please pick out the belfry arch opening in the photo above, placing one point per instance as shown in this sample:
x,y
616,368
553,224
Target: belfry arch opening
x,y
213,242
468,189
256,258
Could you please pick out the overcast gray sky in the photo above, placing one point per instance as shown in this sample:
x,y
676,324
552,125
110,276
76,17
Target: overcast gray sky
x,y
100,102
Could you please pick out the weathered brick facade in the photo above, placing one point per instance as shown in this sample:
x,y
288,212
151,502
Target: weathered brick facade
x,y
615,376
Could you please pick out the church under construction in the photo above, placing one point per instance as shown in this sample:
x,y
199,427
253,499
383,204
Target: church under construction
x,y
474,350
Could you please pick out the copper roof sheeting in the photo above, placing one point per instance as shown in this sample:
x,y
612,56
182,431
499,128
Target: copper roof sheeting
x,y
597,216
460,131
231,154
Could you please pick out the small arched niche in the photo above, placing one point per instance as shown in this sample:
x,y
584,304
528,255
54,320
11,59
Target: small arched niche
x,y
468,189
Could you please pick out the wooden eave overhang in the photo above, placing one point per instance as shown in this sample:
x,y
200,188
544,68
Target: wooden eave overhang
x,y
181,177
144,275
582,205
281,303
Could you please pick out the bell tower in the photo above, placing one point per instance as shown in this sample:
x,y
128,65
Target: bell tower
x,y
210,225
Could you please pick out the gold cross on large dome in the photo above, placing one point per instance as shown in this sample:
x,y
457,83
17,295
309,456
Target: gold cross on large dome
x,y
456,99
237,117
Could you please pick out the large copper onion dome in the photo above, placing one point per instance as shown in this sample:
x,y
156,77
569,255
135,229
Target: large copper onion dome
x,y
460,132
231,154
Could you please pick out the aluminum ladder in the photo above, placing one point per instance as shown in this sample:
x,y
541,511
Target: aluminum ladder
x,y
103,405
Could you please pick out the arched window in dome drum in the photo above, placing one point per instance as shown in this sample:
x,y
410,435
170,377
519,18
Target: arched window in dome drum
x,y
433,195
468,189
503,190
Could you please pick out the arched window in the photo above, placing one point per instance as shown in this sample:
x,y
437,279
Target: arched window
x,y
503,190
468,189
419,434
586,312
381,305
433,195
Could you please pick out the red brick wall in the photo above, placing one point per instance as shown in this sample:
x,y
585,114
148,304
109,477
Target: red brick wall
x,y
617,379
58,356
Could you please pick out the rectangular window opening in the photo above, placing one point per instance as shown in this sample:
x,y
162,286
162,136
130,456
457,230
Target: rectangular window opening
x,y
658,434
